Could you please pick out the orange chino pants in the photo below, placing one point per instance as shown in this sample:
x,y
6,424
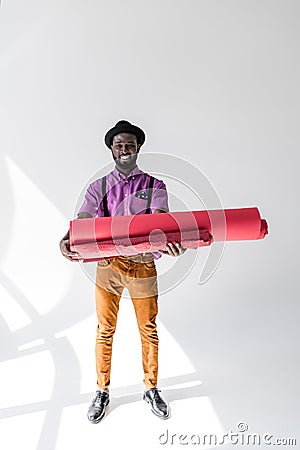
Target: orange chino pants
x,y
137,274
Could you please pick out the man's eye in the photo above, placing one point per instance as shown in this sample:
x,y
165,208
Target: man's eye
x,y
128,146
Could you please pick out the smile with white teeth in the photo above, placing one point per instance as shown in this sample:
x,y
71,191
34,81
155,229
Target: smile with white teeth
x,y
125,157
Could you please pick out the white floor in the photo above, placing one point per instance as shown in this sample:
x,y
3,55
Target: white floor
x,y
47,384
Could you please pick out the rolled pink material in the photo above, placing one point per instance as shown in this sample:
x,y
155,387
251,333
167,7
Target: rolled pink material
x,y
95,239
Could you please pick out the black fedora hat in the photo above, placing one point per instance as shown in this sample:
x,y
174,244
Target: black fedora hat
x,y
124,127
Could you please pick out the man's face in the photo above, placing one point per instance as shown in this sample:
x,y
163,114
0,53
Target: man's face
x,y
125,150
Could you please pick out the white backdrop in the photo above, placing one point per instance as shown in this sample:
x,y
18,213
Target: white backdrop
x,y
215,83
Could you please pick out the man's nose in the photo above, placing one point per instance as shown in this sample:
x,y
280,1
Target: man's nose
x,y
124,148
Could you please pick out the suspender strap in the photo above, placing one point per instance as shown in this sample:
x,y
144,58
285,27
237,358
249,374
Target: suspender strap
x,y
148,210
104,197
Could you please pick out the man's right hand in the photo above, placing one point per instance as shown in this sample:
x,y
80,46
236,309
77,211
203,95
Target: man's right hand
x,y
64,246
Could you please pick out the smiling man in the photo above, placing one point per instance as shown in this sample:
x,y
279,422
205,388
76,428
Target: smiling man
x,y
127,190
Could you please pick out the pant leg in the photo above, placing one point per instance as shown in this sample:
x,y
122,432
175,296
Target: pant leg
x,y
146,311
108,291
143,292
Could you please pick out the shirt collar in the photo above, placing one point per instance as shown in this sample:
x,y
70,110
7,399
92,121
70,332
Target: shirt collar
x,y
121,176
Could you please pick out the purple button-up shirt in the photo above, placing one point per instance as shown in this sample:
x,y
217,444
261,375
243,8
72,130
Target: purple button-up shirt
x,y
125,195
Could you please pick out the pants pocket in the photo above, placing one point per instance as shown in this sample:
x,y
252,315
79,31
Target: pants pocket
x,y
104,262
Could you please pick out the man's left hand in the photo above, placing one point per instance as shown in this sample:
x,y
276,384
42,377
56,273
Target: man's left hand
x,y
173,249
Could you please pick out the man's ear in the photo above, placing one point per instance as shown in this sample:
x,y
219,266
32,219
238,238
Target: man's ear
x,y
138,148
112,153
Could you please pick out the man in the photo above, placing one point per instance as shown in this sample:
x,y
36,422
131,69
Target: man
x,y
126,190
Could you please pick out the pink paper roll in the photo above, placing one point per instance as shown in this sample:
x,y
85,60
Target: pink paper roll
x,y
102,237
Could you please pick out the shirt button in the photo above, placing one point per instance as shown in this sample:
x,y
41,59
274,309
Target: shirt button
x,y
126,195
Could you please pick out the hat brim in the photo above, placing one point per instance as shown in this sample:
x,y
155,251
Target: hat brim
x,y
125,128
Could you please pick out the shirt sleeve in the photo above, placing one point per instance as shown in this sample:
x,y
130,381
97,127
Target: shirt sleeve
x,y
91,202
159,197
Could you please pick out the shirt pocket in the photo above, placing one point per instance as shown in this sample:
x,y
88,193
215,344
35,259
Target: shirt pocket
x,y
138,205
